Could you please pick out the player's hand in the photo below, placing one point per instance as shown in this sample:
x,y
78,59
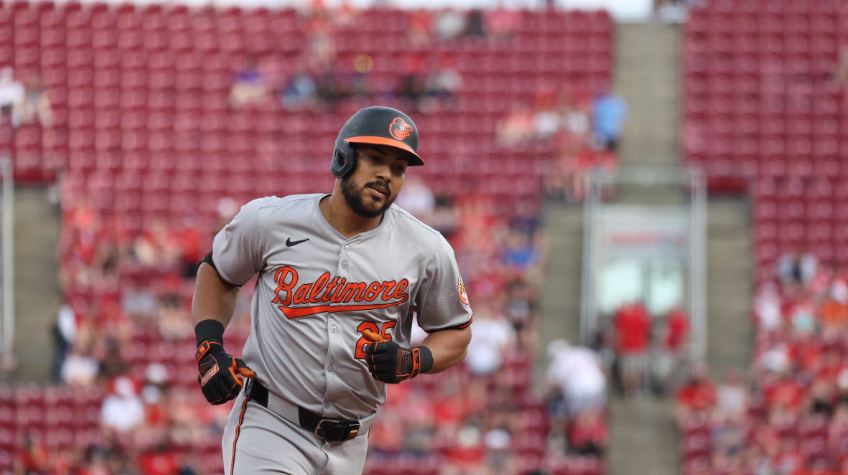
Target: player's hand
x,y
221,375
389,362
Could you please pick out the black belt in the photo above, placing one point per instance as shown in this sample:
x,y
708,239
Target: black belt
x,y
329,430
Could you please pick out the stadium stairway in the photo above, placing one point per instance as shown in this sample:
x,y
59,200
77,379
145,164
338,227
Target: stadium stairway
x,y
37,225
647,76
560,306
729,278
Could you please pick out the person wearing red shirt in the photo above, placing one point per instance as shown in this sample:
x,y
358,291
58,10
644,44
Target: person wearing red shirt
x,y
632,338
587,433
675,336
698,394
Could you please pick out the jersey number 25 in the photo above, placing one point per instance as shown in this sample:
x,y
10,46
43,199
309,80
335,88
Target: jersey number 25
x,y
384,332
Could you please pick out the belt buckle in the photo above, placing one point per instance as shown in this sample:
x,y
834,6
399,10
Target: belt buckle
x,y
324,426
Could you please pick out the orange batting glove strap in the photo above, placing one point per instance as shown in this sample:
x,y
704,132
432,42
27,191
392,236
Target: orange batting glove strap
x,y
391,363
221,376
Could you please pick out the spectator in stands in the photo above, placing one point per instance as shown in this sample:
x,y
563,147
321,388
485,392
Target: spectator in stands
x,y
319,27
475,24
300,91
575,120
519,253
632,326
796,267
35,106
417,198
190,245
672,354
138,302
575,378
174,320
420,25
122,410
587,434
412,82
12,94
498,443
833,313
767,308
444,81
546,123
492,339
608,115
697,394
330,86
32,456
64,335
516,128
732,397
80,367
838,429
727,438
111,362
502,22
449,24
520,304
249,86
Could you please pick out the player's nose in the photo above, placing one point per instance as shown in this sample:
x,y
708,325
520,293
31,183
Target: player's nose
x,y
383,171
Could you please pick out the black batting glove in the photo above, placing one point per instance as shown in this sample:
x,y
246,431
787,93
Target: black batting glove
x,y
391,363
221,375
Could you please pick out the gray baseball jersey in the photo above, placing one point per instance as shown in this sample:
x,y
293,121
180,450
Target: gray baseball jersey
x,y
317,291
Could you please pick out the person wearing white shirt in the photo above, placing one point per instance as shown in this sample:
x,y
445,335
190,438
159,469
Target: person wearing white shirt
x,y
576,373
11,94
122,410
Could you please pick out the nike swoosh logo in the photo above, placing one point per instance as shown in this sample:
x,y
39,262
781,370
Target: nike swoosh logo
x,y
291,243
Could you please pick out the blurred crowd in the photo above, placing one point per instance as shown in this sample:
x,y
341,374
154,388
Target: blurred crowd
x,y
788,415
584,132
644,353
323,77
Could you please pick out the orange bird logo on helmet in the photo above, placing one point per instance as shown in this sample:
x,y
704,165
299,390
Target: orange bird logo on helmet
x,y
399,128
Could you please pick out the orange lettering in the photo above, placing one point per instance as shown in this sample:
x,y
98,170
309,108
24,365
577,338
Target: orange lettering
x,y
388,285
318,287
400,290
373,290
301,295
284,285
353,291
328,293
333,294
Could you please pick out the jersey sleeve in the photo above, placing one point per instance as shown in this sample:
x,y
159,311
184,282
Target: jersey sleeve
x,y
239,249
442,302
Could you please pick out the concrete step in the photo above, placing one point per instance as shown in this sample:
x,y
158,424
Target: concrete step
x,y
728,284
560,307
644,437
37,227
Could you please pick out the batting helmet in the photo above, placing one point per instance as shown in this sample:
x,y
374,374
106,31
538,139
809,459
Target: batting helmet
x,y
376,126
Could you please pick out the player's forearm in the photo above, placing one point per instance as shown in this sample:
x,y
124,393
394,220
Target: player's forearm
x,y
448,347
213,298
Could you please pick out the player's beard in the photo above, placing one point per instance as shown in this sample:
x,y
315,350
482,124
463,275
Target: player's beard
x,y
355,199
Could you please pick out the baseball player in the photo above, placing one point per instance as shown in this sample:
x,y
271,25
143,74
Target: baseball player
x,y
340,277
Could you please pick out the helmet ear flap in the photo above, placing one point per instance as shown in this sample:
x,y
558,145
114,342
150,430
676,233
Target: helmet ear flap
x,y
344,160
